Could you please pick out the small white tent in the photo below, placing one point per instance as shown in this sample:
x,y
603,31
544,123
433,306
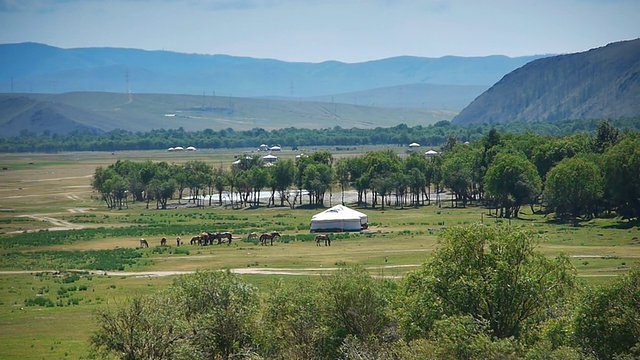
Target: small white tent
x,y
339,218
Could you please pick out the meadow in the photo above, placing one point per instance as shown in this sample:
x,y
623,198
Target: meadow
x,y
63,254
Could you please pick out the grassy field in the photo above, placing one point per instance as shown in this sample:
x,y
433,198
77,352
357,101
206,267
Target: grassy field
x,y
55,233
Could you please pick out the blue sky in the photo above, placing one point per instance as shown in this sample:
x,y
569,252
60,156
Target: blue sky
x,y
320,30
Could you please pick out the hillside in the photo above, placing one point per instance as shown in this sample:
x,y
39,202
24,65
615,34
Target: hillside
x,y
599,83
100,112
38,68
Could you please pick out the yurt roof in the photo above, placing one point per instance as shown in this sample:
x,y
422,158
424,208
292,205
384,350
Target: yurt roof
x,y
338,212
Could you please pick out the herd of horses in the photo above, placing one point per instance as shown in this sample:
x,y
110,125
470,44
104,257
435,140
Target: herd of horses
x,y
207,238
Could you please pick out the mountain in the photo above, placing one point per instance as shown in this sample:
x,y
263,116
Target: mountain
x,y
99,112
599,83
38,68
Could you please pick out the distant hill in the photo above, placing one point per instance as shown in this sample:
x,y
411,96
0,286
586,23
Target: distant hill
x,y
38,68
426,96
100,112
599,83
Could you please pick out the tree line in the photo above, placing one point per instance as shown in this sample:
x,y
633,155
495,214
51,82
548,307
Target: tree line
x,y
430,135
578,176
485,293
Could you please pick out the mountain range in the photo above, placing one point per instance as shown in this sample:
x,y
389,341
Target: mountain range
x,y
38,68
597,84
48,89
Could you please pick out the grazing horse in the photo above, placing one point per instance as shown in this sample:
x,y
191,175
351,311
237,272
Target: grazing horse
x,y
163,241
252,236
178,241
326,238
224,235
269,236
144,243
195,240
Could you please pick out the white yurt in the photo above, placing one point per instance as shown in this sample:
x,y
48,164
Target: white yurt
x,y
414,145
431,153
270,158
339,218
191,148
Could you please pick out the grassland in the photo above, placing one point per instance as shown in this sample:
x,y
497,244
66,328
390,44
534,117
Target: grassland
x,y
55,234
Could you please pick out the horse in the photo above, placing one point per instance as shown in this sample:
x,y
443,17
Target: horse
x,y
163,241
224,235
144,243
269,236
326,238
252,236
195,240
178,241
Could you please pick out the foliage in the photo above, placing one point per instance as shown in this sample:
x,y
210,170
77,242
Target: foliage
x,y
431,135
144,327
573,188
512,181
607,318
622,175
490,273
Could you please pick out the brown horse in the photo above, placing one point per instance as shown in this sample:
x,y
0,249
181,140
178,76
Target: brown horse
x,y
195,240
163,241
252,236
178,241
325,238
269,236
144,243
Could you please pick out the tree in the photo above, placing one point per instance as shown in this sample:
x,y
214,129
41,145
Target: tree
x,y
607,320
621,165
490,273
574,188
220,311
512,181
141,328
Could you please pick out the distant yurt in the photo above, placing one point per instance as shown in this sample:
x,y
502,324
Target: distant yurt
x,y
414,145
275,148
263,147
339,218
191,148
270,158
171,149
430,153
178,148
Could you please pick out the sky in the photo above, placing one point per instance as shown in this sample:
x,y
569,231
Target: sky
x,y
321,30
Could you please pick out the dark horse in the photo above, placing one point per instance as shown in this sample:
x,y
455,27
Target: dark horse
x,y
144,243
269,236
224,235
163,241
326,238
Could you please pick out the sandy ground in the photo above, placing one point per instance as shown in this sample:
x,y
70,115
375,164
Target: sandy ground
x,y
241,271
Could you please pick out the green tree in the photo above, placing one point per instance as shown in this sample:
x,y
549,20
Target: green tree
x,y
607,321
621,165
573,188
220,311
490,273
512,181
144,327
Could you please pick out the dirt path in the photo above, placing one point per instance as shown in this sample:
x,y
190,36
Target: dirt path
x,y
58,224
240,271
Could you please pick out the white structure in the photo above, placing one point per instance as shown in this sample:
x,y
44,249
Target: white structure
x,y
270,158
191,148
414,145
171,149
430,153
178,148
339,218
275,148
263,147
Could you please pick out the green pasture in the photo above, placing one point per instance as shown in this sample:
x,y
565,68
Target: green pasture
x,y
57,238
